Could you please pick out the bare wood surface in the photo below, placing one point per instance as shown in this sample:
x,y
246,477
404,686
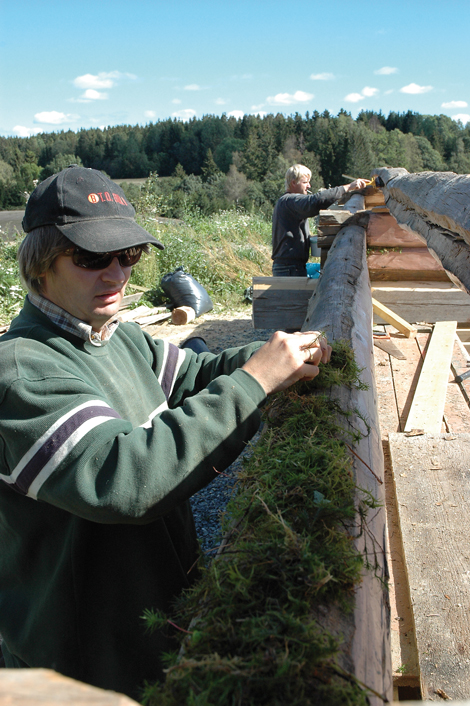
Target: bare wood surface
x,y
429,400
433,490
435,205
391,317
423,301
418,260
342,308
383,231
281,302
33,687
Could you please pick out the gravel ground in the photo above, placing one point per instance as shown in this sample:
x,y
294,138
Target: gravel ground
x,y
209,504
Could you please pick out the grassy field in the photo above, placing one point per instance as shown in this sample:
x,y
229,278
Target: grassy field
x,y
222,252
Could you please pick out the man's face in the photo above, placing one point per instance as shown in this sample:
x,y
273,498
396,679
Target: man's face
x,y
93,296
300,187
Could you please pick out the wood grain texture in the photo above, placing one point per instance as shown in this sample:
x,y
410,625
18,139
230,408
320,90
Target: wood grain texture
x,y
383,231
391,317
429,399
342,307
422,301
432,480
441,198
36,687
281,302
435,205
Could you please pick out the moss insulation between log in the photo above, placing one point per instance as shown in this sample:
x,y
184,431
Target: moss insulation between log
x,y
255,621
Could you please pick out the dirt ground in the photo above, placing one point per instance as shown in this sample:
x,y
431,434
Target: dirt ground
x,y
219,331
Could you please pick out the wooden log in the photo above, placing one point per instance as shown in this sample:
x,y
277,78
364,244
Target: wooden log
x,y
434,205
32,687
182,315
342,308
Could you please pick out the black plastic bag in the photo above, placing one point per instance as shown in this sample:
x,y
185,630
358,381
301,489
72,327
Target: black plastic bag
x,y
184,290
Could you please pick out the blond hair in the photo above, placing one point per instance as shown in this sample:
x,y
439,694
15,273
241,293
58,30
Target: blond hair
x,y
295,173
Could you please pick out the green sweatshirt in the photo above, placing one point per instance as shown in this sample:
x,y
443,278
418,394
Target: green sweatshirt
x,y
100,449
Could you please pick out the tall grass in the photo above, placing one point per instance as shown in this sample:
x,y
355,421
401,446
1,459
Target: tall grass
x,y
222,252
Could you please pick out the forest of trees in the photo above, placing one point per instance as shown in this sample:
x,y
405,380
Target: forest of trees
x,y
215,161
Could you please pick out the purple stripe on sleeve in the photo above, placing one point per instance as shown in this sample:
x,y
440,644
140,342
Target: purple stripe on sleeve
x,y
55,441
169,371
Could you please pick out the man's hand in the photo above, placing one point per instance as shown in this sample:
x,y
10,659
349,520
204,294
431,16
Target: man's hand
x,y
287,358
357,184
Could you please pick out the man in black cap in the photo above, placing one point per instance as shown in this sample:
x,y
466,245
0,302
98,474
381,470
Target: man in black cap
x,y
105,434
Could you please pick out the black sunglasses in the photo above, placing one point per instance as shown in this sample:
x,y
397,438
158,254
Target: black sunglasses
x,y
101,260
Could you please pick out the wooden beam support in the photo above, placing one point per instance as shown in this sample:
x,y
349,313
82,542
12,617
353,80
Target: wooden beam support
x,y
342,308
427,409
391,318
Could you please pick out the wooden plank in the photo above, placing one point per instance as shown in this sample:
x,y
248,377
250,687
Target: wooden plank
x,y
423,301
418,259
281,302
391,318
433,490
341,306
330,217
402,275
428,404
130,299
33,687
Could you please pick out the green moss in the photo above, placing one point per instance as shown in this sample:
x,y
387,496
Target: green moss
x,y
253,630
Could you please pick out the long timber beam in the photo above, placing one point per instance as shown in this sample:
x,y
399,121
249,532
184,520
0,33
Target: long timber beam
x,y
342,308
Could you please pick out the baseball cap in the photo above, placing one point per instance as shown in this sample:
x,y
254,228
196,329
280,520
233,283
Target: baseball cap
x,y
88,208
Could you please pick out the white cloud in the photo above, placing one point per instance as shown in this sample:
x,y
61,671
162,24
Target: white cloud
x,y
290,98
369,92
257,108
353,97
236,114
192,87
150,114
176,101
92,95
220,101
261,113
185,114
387,93
53,117
463,117
322,77
455,104
102,80
386,71
22,131
415,89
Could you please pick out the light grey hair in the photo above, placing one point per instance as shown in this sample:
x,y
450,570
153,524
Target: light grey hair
x,y
295,173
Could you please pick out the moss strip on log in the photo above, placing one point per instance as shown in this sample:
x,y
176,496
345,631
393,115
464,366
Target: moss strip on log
x,y
255,626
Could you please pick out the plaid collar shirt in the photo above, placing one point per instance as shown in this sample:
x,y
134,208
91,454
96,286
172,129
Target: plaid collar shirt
x,y
71,324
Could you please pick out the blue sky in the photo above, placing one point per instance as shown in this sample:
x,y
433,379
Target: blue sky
x,y
84,64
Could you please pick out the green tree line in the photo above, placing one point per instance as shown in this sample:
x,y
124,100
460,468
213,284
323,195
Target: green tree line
x,y
216,161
